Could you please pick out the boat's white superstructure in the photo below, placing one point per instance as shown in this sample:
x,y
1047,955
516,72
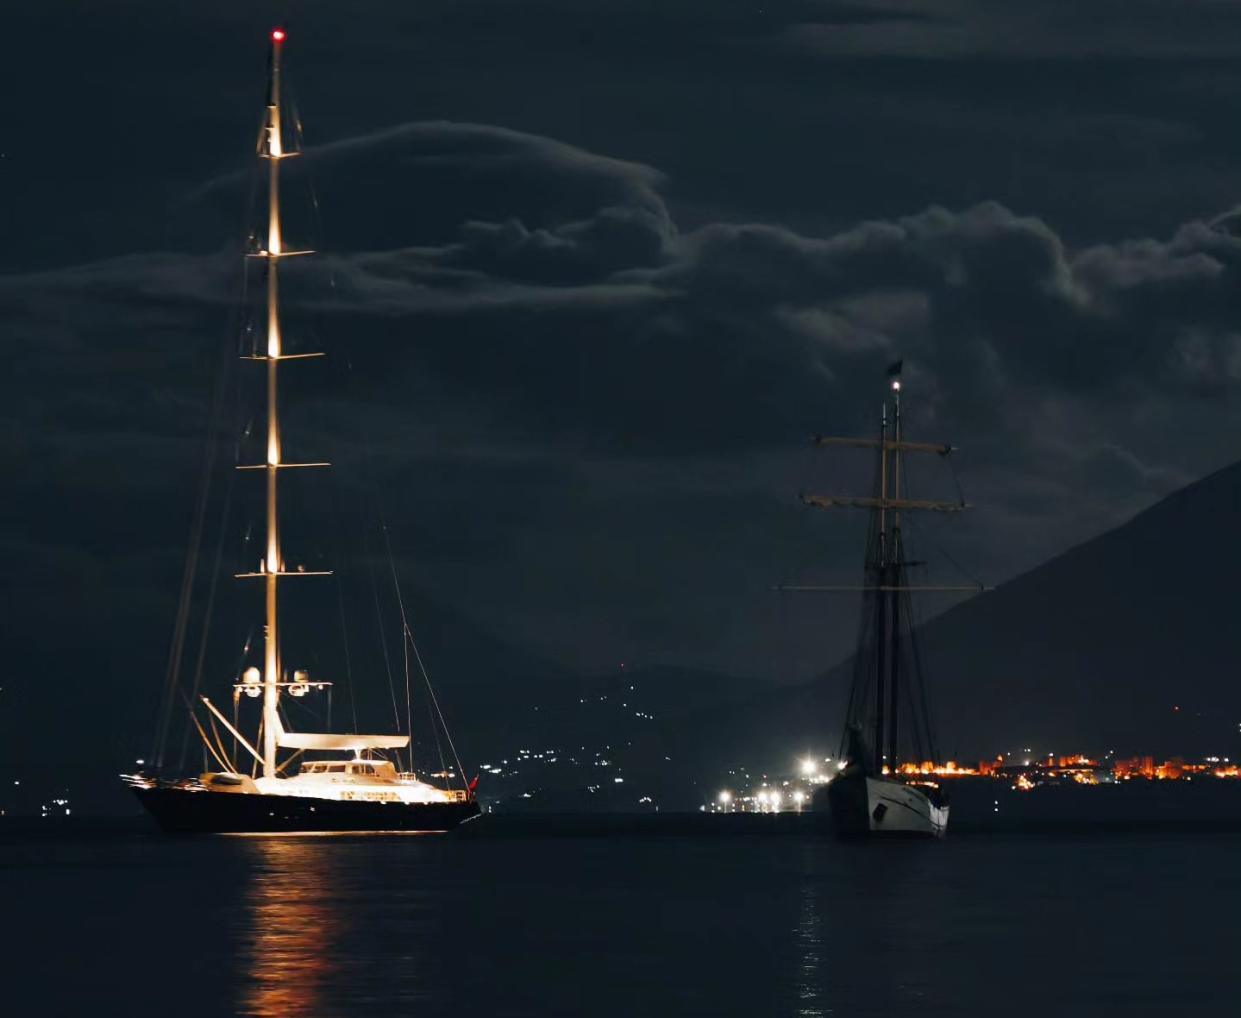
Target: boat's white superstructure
x,y
355,780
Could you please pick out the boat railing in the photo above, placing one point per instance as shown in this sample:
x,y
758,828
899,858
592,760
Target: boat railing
x,y
451,794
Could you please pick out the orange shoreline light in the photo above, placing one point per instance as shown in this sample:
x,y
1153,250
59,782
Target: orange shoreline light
x,y
1080,768
792,794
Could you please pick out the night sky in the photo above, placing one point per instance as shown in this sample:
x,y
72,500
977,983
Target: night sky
x,y
595,272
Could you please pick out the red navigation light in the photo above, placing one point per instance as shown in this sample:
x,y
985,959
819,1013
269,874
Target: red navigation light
x,y
277,35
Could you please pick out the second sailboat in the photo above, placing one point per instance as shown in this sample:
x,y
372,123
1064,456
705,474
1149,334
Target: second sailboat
x,y
887,785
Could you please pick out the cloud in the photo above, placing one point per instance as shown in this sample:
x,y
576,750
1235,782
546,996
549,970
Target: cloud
x,y
552,332
579,309
1055,29
765,327
420,183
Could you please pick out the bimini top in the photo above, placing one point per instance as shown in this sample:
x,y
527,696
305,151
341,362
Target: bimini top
x,y
336,740
331,740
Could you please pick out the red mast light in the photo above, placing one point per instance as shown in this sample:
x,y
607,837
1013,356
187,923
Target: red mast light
x,y
277,35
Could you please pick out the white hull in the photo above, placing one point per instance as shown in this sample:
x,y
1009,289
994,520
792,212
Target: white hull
x,y
861,804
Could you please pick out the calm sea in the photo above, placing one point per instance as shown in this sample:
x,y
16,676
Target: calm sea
x,y
642,925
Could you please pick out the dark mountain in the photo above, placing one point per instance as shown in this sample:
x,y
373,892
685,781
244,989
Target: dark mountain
x,y
499,697
1129,641
1126,642
630,740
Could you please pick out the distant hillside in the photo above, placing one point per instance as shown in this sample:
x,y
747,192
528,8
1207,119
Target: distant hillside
x,y
1094,650
499,697
1098,647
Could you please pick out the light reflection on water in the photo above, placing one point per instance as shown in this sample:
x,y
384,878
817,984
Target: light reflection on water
x,y
808,945
291,939
613,927
342,925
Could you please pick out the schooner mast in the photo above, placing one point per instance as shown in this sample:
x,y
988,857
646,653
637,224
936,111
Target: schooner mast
x,y
879,790
881,681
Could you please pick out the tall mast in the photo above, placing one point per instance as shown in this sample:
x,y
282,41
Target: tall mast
x,y
881,595
886,575
271,570
272,149
897,574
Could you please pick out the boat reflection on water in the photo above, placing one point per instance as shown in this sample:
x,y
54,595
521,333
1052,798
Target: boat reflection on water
x,y
292,928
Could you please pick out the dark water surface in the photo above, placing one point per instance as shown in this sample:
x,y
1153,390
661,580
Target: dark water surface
x,y
641,925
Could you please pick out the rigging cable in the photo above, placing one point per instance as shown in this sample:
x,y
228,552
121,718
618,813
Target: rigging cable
x,y
344,630
436,704
409,642
338,529
207,745
924,534
213,586
800,539
317,238
400,602
433,701
172,678
200,658
383,639
220,386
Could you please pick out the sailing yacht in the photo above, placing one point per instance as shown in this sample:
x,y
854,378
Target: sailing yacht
x,y
355,787
887,786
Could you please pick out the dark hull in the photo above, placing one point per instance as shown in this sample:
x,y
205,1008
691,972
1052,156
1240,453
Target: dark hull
x,y
187,811
846,803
